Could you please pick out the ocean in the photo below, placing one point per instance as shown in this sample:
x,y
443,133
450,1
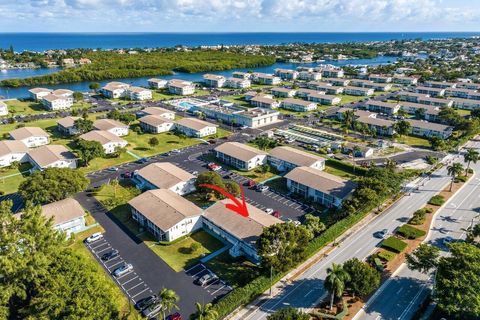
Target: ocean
x,y
45,41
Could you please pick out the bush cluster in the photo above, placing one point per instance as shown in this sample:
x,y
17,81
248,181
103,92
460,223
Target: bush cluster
x,y
437,200
394,244
410,232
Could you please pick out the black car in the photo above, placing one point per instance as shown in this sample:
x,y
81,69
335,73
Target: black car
x,y
146,302
110,255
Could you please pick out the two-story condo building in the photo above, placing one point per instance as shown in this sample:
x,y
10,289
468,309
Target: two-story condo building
x,y
330,72
181,87
165,214
382,107
214,81
155,83
429,129
264,102
31,136
282,92
3,108
66,125
466,103
195,127
324,86
286,74
265,78
286,158
431,91
52,156
240,156
12,151
156,111
381,126
114,90
38,93
439,84
139,93
380,78
109,141
238,83
322,187
240,233
54,102
304,93
429,113
242,75
156,124
435,101
405,80
67,214
113,126
339,82
409,96
325,99
165,175
298,105
358,91
309,75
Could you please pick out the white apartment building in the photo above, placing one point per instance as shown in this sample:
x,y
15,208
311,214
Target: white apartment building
x,y
67,214
260,101
286,158
181,87
31,136
54,102
157,111
108,140
155,83
265,78
113,126
240,156
139,93
156,124
298,105
38,93
165,175
238,83
214,81
195,127
114,90
12,151
286,74
3,108
52,156
282,92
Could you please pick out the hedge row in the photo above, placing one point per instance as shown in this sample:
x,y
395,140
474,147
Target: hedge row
x,y
394,244
341,165
437,200
419,216
386,255
410,232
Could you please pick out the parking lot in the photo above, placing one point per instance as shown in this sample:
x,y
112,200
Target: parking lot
x,y
217,288
131,283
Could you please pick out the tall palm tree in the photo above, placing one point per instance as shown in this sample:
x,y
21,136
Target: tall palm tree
x,y
454,170
335,281
472,155
205,311
168,300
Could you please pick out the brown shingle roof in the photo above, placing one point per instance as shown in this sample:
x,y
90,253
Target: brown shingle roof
x,y
46,155
322,181
195,124
295,156
12,146
155,111
164,208
246,228
67,122
164,175
63,211
27,132
107,124
239,150
154,120
101,136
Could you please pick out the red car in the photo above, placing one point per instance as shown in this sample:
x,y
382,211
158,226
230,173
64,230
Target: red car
x,y
213,166
175,316
250,184
276,214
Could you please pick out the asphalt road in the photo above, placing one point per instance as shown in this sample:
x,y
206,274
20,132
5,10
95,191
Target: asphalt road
x,y
307,290
402,294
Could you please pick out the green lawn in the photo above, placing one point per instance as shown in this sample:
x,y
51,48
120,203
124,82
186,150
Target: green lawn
x,y
17,107
102,163
338,172
463,112
10,184
279,184
237,272
178,254
165,95
347,99
414,141
239,100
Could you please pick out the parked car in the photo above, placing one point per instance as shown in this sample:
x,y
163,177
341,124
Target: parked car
x,y
110,255
122,270
142,160
195,173
174,316
212,141
381,234
175,151
262,187
213,166
127,175
152,310
206,279
269,210
250,184
276,214
146,302
113,169
94,237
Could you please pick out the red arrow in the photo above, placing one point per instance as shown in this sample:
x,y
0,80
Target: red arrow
x,y
237,206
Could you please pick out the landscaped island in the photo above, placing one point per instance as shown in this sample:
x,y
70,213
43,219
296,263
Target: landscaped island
x,y
115,65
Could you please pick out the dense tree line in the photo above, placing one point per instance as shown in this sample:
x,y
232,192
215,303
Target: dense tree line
x,y
113,65
42,278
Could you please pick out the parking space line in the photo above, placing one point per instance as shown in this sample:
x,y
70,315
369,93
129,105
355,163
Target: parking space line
x,y
217,290
122,284
140,283
101,245
147,288
113,265
126,274
191,268
199,272
109,247
211,283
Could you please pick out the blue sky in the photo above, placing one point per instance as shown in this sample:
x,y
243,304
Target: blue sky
x,y
238,15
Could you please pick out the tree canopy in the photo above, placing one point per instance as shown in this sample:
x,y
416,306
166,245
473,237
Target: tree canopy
x,y
89,150
288,314
42,278
52,184
363,278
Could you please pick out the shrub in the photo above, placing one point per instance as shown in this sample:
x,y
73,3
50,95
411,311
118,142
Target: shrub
x,y
461,179
194,247
418,217
386,255
437,200
428,210
410,232
394,244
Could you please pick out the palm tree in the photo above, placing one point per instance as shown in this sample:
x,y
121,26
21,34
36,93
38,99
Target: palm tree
x,y
390,164
114,183
454,170
205,312
335,281
168,300
472,155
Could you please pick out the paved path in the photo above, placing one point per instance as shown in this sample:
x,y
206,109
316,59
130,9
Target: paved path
x,y
403,293
308,289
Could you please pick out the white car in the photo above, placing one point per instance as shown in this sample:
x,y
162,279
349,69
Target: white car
x,y
94,237
269,210
120,271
